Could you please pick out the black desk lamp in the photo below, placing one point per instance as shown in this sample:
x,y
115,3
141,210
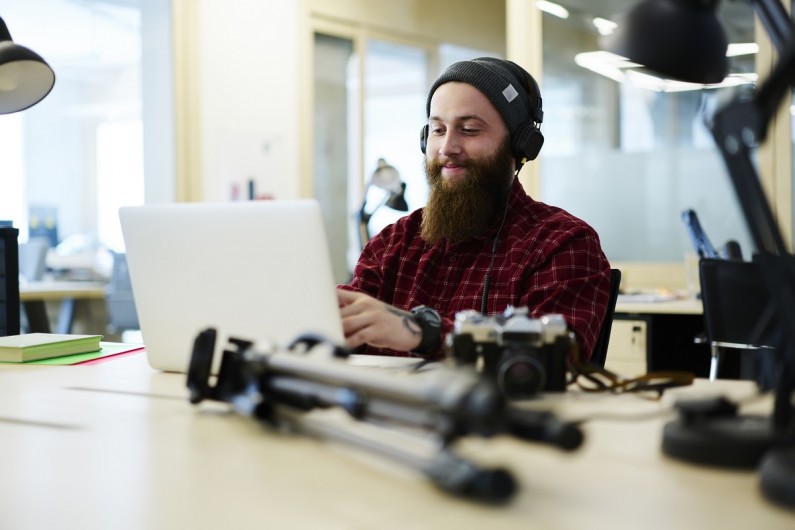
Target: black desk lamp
x,y
387,178
25,79
683,39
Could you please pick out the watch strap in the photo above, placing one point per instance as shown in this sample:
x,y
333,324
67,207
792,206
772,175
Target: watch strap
x,y
431,328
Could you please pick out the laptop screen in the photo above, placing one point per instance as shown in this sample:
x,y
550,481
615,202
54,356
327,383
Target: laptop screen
x,y
257,270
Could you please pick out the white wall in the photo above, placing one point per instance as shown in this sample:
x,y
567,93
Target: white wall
x,y
158,111
248,70
248,78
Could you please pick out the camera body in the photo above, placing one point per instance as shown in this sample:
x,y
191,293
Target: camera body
x,y
524,355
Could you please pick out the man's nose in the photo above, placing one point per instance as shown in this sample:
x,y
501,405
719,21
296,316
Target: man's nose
x,y
450,144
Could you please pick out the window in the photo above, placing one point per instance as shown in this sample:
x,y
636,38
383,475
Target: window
x,y
629,160
80,151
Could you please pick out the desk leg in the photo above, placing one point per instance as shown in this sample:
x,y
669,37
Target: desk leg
x,y
36,311
66,315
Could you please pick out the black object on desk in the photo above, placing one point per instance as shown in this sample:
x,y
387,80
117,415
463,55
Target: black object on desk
x,y
738,314
9,281
448,404
653,37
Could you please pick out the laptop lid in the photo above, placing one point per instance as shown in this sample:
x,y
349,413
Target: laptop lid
x,y
257,270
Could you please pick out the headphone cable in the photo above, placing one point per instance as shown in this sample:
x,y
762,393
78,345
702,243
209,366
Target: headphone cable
x,y
487,281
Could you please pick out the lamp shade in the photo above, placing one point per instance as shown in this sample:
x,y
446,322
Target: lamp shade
x,y
386,177
25,78
397,201
680,39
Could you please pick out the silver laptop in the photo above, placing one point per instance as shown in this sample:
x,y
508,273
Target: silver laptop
x,y
256,270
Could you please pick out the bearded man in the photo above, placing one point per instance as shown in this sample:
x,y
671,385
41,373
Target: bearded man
x,y
480,242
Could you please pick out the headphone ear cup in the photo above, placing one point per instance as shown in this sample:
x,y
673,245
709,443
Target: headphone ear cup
x,y
423,139
527,142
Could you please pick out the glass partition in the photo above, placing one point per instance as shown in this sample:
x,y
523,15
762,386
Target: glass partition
x,y
629,159
80,152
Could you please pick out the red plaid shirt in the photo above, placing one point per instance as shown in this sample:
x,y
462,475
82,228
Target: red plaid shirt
x,y
546,260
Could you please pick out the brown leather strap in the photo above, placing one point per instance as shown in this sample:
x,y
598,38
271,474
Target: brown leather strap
x,y
592,378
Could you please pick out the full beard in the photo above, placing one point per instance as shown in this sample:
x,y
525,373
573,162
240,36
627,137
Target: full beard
x,y
464,209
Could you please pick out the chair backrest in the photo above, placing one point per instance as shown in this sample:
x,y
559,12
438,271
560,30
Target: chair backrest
x,y
599,354
734,298
122,314
33,258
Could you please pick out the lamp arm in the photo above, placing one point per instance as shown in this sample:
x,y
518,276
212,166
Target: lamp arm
x,y
734,129
737,128
775,20
777,86
363,216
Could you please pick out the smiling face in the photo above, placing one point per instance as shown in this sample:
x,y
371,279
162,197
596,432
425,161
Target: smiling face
x,y
469,164
463,127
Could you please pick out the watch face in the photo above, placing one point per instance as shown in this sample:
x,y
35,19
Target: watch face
x,y
428,315
431,324
433,317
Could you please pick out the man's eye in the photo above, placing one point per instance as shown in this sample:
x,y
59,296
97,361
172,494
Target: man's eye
x,y
470,131
437,131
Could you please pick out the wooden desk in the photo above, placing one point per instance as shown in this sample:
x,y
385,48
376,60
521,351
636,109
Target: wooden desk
x,y
117,445
688,306
35,295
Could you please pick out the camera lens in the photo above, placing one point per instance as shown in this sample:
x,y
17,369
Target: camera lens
x,y
521,376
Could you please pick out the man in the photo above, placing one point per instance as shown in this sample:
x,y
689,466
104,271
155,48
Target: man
x,y
481,242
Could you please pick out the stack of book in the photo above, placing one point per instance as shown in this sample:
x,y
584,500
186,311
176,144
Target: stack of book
x,y
37,346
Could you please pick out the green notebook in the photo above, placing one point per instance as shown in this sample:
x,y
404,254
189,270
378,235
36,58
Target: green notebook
x,y
35,346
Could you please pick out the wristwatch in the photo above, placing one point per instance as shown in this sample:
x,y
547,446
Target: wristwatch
x,y
431,326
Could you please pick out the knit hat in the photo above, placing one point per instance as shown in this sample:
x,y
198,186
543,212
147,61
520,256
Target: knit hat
x,y
512,91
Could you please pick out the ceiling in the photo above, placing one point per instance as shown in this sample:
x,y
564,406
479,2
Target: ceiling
x,y
66,32
108,31
737,15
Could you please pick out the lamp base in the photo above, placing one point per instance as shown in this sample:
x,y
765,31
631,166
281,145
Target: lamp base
x,y
778,476
737,442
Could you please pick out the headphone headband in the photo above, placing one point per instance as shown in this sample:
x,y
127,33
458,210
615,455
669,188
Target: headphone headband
x,y
513,92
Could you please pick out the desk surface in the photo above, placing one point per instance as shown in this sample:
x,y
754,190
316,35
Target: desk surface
x,y
689,306
117,445
52,290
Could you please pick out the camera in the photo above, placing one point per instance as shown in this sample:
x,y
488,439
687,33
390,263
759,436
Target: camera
x,y
524,355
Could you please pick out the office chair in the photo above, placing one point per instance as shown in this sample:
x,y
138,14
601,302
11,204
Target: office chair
x,y
122,315
735,302
599,355
33,258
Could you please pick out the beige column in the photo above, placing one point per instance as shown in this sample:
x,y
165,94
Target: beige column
x,y
524,46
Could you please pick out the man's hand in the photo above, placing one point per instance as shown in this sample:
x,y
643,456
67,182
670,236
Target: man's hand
x,y
366,320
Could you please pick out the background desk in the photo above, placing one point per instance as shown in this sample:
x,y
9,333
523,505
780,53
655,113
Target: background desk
x,y
117,445
657,336
35,295
689,306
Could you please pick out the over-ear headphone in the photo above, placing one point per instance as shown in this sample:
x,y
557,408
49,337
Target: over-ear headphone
x,y
526,138
424,138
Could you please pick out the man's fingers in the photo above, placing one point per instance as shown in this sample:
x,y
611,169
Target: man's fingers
x,y
345,297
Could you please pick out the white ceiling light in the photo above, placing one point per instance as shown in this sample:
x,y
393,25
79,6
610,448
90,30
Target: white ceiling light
x,y
623,70
604,26
552,8
742,48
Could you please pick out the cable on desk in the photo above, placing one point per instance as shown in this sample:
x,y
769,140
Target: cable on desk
x,y
592,378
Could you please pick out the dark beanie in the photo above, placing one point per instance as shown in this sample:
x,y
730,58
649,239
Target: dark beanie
x,y
511,90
